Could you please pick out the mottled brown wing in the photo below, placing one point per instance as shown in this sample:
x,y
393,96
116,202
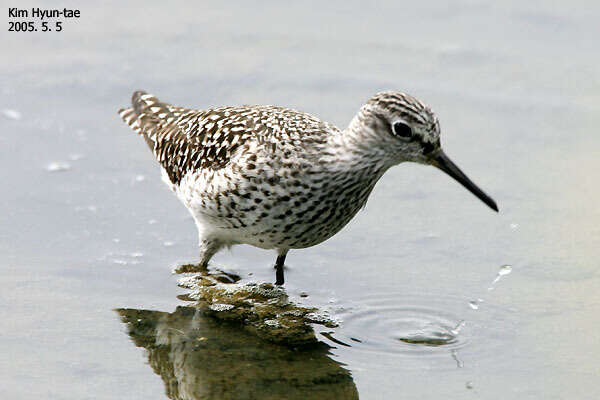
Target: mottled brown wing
x,y
183,139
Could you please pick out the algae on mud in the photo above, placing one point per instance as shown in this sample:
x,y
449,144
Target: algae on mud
x,y
262,309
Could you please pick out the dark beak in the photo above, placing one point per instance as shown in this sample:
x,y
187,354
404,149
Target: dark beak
x,y
444,163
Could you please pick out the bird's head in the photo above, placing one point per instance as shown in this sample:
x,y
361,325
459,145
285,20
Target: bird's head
x,y
405,129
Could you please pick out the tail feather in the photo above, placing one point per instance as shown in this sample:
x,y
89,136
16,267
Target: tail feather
x,y
147,104
146,115
168,132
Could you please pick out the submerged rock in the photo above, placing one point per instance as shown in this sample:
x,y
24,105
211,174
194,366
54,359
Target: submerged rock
x,y
262,309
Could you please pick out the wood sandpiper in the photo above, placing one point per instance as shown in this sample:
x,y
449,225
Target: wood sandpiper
x,y
276,178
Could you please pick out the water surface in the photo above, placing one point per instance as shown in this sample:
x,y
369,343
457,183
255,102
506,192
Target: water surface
x,y
87,226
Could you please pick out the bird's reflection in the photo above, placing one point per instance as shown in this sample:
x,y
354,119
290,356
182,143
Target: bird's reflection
x,y
202,357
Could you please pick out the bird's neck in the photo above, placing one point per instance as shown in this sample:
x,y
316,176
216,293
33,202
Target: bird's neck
x,y
357,150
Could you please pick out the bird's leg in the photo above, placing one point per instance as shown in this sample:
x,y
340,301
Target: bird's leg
x,y
208,248
279,269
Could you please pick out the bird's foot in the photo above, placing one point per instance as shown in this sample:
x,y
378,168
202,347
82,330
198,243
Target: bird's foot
x,y
216,274
190,268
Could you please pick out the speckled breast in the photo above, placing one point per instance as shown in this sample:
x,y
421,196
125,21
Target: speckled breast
x,y
282,207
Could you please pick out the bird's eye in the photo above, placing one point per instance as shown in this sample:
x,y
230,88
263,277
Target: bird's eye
x,y
402,130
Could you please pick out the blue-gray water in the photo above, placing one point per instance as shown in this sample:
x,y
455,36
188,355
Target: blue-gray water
x,y
516,87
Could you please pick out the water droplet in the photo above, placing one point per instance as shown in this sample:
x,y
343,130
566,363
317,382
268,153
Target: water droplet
x,y
514,226
469,385
474,304
58,166
456,330
152,221
116,240
11,114
120,262
505,270
168,243
140,178
137,254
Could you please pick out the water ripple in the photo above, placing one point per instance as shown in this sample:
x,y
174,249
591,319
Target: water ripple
x,y
389,323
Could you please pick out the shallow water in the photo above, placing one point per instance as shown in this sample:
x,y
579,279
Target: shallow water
x,y
88,227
